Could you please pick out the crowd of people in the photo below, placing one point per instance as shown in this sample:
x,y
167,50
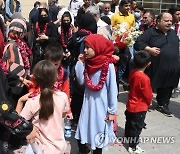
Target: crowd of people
x,y
66,62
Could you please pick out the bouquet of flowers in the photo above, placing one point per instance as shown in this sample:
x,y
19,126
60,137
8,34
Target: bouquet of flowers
x,y
125,36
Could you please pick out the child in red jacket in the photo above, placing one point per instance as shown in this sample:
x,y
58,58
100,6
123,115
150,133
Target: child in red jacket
x,y
139,98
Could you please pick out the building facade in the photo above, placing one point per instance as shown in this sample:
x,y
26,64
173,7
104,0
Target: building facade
x,y
157,6
27,5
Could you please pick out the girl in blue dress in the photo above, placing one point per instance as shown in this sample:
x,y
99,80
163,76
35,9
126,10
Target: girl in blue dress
x,y
95,69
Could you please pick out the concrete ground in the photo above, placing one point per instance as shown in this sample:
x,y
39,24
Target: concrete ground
x,y
160,128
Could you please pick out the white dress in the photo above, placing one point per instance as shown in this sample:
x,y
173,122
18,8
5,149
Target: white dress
x,y
92,127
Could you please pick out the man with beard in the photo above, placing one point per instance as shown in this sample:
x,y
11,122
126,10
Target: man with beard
x,y
163,45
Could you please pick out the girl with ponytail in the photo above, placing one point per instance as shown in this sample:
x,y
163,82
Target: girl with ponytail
x,y
46,109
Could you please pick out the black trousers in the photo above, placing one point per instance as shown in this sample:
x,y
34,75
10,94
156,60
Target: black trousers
x,y
133,127
163,96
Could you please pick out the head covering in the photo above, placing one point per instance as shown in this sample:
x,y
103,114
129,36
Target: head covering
x,y
88,22
66,25
17,15
103,51
43,20
18,25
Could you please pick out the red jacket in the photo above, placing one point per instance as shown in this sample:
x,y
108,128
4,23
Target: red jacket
x,y
140,94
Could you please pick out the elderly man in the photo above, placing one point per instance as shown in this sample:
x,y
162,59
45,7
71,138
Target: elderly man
x,y
107,10
163,45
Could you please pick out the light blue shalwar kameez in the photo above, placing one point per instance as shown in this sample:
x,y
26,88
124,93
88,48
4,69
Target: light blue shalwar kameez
x,y
92,127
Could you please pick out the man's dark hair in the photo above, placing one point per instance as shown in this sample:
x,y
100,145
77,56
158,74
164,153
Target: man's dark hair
x,y
140,7
123,2
151,13
106,19
141,59
53,52
173,9
36,3
132,1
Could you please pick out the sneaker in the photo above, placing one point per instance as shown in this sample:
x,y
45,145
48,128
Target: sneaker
x,y
131,150
165,110
137,150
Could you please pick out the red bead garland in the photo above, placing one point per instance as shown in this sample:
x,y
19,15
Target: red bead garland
x,y
59,82
25,52
103,77
38,29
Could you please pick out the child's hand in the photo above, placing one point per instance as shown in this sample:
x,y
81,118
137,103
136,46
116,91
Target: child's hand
x,y
74,29
21,102
33,135
116,57
25,97
28,83
81,58
110,117
25,81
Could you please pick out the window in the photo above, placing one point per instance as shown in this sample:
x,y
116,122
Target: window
x,y
158,6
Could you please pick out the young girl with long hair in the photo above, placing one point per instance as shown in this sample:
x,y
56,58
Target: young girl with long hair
x,y
46,109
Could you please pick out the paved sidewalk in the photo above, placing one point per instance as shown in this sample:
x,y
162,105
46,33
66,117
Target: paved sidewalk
x,y
158,125
159,128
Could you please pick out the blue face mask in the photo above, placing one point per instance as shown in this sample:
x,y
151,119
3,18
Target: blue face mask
x,y
137,15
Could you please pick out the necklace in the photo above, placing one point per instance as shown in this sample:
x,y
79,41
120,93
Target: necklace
x,y
103,76
65,36
38,29
25,52
59,81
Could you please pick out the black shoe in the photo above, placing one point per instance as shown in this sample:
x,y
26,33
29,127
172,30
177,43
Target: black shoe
x,y
83,148
165,110
126,87
84,151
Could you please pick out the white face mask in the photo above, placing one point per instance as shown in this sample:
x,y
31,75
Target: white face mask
x,y
137,15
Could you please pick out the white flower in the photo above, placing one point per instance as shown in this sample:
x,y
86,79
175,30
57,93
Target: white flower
x,y
132,34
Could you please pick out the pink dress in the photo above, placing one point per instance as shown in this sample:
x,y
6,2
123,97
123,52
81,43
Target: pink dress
x,y
51,131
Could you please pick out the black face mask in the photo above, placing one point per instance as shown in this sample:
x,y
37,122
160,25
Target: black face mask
x,y
43,20
66,25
